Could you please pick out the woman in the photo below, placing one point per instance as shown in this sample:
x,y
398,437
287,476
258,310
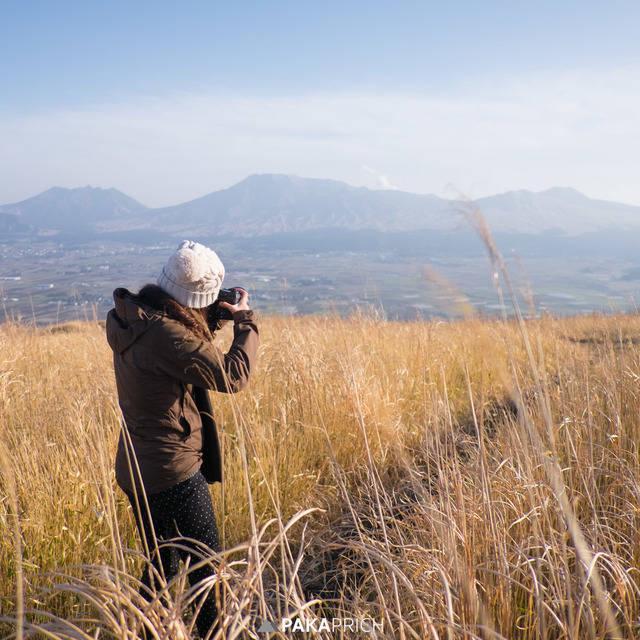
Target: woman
x,y
164,361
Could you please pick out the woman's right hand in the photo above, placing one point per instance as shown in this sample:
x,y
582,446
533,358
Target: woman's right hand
x,y
241,305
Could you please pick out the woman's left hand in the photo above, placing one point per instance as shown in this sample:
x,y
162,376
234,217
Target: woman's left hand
x,y
242,304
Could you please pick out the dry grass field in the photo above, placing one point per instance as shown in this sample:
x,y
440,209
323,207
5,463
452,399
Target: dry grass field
x,y
476,479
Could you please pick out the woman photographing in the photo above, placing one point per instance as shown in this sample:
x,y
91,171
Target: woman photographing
x,y
164,361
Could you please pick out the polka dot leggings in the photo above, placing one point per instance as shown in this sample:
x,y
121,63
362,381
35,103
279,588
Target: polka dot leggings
x,y
182,510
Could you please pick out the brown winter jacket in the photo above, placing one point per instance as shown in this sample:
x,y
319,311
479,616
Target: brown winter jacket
x,y
162,371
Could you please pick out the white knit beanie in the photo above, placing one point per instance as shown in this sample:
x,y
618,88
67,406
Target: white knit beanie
x,y
193,275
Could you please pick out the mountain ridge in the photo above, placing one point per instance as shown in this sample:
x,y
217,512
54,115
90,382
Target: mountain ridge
x,y
61,208
263,204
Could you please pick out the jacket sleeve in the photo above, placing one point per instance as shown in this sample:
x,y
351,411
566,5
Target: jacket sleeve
x,y
194,361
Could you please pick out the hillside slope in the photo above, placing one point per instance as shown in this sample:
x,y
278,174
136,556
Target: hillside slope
x,y
399,449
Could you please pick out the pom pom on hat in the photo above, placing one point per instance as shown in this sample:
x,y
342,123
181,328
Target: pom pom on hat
x,y
188,263
193,275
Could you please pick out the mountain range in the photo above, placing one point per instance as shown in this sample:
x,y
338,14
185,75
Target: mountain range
x,y
266,204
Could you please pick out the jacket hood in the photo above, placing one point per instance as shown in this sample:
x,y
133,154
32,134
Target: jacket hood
x,y
128,320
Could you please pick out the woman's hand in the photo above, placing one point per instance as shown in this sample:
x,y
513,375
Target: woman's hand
x,y
242,305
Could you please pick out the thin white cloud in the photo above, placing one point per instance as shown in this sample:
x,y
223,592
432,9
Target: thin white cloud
x,y
577,129
380,180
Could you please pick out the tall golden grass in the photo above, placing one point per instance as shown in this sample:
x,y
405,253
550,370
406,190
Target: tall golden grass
x,y
473,479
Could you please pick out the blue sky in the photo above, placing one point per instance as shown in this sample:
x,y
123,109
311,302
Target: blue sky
x,y
170,100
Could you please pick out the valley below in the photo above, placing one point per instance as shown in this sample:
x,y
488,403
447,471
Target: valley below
x,y
50,280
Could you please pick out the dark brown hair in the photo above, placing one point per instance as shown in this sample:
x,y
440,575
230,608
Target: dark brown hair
x,y
193,319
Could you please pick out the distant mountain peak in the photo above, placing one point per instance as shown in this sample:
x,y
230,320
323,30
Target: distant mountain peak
x,y
565,191
62,208
284,179
86,189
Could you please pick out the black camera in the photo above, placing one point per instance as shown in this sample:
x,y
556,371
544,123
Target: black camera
x,y
216,312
